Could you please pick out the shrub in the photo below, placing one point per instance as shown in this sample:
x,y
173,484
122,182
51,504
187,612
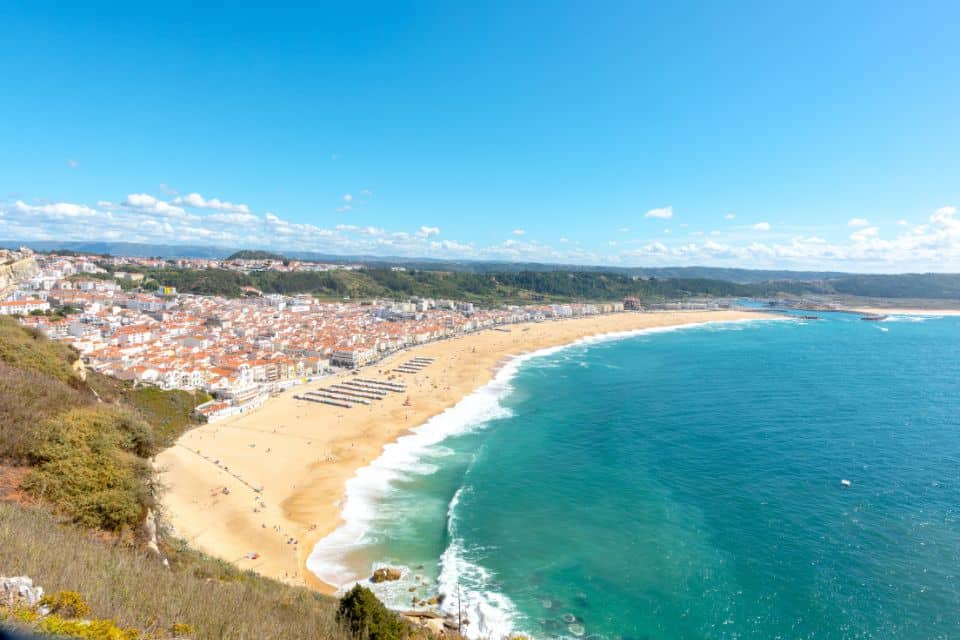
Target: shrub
x,y
89,462
366,617
24,615
169,413
180,629
68,604
87,629
26,399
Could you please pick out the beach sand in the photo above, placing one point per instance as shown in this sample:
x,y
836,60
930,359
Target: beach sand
x,y
270,482
908,312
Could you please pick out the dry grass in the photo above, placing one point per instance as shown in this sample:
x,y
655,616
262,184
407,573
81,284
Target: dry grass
x,y
26,398
134,588
29,349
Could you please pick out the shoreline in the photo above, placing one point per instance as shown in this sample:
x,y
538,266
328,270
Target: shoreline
x,y
260,490
892,311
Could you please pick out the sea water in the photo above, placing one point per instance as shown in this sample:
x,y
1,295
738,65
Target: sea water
x,y
684,484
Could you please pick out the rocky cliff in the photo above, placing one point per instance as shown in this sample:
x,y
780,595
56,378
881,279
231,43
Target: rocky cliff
x,y
16,267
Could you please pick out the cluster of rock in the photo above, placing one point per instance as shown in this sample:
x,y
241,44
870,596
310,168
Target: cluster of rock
x,y
386,574
19,590
428,619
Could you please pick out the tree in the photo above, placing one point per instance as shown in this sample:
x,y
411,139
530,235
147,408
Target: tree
x,y
366,617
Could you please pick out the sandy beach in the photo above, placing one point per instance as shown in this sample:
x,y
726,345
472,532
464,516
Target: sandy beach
x,y
908,312
260,489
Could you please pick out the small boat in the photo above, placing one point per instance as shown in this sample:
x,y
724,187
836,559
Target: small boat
x,y
873,318
810,318
845,483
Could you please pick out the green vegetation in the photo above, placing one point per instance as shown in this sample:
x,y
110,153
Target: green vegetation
x,y
92,463
169,413
218,282
366,617
68,604
87,439
483,283
27,399
484,288
937,286
30,350
250,254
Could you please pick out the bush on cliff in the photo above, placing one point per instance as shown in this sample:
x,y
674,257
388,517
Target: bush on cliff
x,y
26,399
91,462
366,618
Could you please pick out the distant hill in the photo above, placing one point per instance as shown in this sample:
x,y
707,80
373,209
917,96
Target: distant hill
x,y
132,249
248,254
494,288
689,280
429,264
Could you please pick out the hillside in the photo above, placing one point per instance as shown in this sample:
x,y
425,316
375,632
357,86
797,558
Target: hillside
x,y
522,287
86,440
76,487
250,254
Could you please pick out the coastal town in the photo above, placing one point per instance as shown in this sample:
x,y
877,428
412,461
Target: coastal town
x,y
239,350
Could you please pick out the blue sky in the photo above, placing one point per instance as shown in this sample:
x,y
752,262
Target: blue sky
x,y
798,135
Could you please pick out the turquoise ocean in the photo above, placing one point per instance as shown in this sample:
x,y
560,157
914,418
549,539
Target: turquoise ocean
x,y
684,484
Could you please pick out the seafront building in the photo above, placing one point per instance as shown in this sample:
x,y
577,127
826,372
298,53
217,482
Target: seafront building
x,y
239,350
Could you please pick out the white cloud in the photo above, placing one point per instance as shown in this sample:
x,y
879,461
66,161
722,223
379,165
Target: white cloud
x,y
864,234
858,222
73,164
933,245
519,232
148,204
59,210
729,216
197,201
243,219
762,226
452,246
662,212
347,197
624,229
944,214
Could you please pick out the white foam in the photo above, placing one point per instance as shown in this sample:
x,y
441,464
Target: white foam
x,y
490,613
399,460
912,318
